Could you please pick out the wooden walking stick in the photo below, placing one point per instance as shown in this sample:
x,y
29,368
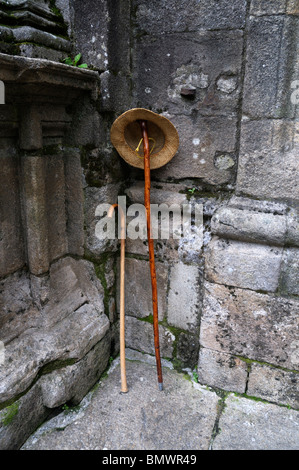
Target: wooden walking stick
x,y
147,204
125,136
124,387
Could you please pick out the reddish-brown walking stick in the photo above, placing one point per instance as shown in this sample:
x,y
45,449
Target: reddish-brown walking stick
x,y
147,204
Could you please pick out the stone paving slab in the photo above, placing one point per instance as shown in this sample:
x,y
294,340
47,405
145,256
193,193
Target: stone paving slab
x,y
184,416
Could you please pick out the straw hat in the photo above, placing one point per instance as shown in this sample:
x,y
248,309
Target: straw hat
x,y
126,137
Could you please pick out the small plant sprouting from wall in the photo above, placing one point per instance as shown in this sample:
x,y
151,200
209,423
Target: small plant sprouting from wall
x,y
75,61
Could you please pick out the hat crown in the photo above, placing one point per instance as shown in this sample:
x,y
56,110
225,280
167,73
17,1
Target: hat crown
x,y
126,136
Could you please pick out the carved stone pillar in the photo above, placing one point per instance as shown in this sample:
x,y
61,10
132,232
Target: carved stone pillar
x,y
41,190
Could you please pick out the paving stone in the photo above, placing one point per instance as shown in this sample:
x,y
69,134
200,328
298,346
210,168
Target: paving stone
x,y
143,418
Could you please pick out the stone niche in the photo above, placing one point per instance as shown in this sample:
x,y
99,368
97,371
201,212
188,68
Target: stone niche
x,y
53,331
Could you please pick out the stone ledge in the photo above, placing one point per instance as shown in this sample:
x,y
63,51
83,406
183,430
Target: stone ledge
x,y
23,78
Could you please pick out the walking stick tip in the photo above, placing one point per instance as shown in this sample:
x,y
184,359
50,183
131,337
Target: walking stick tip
x,y
160,386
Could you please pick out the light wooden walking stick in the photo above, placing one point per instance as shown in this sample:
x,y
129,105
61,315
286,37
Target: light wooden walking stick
x,y
124,387
125,136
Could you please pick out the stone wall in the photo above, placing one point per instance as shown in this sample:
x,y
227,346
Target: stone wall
x,y
222,72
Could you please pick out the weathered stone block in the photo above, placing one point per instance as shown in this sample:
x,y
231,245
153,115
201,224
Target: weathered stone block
x,y
20,419
187,349
11,238
269,7
72,383
140,335
74,203
274,385
93,198
184,297
153,18
72,283
196,60
68,339
68,326
200,143
90,23
56,208
259,205
289,280
35,205
269,69
31,137
292,236
245,323
138,288
246,265
222,370
249,225
260,172
115,92
274,7
167,194
242,425
18,311
292,7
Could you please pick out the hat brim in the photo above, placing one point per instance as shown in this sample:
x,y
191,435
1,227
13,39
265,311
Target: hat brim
x,y
158,159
